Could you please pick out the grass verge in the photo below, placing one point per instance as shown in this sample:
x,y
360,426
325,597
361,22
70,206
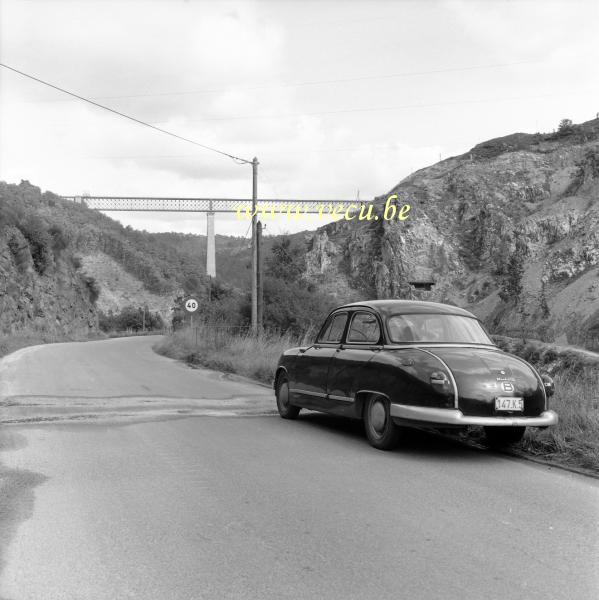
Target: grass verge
x,y
574,442
223,350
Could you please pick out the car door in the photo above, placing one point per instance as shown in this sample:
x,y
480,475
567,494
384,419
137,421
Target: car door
x,y
362,340
312,365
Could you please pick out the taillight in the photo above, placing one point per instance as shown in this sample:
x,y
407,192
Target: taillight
x,y
441,383
548,383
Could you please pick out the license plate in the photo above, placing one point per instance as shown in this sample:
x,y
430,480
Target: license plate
x,y
509,403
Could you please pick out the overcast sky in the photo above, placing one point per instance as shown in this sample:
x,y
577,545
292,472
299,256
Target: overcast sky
x,y
332,97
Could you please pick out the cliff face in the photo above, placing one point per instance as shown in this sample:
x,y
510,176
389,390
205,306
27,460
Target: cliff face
x,y
119,289
509,230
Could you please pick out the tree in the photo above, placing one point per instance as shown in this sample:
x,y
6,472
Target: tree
x,y
294,307
512,284
286,261
546,313
565,126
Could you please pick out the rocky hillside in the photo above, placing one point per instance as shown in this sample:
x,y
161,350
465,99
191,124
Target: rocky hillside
x,y
42,289
509,230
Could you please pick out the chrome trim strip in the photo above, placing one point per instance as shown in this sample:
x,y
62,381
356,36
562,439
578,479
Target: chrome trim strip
x,y
453,381
341,398
450,416
307,392
400,346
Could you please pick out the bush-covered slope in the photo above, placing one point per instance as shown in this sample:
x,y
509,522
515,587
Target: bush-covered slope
x,y
42,289
57,258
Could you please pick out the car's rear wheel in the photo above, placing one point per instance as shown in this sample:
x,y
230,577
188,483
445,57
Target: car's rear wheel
x,y
500,437
381,431
284,406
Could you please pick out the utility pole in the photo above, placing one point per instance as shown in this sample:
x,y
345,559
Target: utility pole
x,y
210,243
254,248
260,304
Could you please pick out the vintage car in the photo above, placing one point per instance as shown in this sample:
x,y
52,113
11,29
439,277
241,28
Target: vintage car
x,y
397,363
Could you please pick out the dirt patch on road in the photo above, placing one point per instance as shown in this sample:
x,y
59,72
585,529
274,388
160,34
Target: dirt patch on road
x,y
50,409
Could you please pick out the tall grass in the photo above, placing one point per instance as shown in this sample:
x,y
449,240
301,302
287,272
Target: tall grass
x,y
230,350
575,439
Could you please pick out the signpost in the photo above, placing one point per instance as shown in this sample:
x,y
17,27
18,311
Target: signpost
x,y
191,305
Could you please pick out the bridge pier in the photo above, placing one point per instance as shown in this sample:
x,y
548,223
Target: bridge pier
x,y
210,246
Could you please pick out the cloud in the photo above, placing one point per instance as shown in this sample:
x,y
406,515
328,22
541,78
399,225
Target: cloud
x,y
194,68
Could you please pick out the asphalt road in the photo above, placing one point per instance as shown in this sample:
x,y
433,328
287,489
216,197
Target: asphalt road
x,y
108,491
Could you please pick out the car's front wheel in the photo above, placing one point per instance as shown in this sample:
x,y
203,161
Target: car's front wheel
x,y
381,431
500,437
284,406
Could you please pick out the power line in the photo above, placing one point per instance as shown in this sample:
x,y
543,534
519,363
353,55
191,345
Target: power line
x,y
319,81
116,112
326,81
386,108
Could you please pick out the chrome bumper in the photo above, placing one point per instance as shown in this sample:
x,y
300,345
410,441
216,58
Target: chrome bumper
x,y
453,416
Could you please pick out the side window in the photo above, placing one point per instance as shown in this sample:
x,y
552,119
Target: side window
x,y
334,330
364,328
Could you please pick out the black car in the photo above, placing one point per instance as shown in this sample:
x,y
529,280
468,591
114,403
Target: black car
x,y
394,363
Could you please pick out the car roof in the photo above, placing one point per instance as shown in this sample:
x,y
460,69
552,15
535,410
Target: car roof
x,y
406,307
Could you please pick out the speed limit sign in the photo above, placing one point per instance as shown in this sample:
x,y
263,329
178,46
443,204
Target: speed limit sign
x,y
191,305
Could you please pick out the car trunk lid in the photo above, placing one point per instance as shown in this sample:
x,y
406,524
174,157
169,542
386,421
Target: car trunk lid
x,y
483,374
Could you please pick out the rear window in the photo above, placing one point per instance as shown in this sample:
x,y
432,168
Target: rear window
x,y
364,329
333,331
422,328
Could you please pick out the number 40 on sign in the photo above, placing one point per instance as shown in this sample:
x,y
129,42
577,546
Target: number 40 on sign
x,y
191,305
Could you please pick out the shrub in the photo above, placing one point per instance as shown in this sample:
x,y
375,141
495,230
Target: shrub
x,y
60,240
92,286
40,242
130,318
549,356
19,248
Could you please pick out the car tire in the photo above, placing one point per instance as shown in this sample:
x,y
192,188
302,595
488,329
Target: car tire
x,y
285,408
500,437
381,431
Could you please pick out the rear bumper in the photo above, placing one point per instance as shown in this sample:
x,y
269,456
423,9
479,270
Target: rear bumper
x,y
455,417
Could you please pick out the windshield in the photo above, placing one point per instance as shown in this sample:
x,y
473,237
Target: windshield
x,y
436,329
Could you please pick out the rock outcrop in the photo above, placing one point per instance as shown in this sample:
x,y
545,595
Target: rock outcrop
x,y
509,230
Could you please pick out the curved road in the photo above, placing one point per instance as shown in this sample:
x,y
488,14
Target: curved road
x,y
124,474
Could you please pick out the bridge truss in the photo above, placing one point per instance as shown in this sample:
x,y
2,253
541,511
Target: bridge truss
x,y
217,205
